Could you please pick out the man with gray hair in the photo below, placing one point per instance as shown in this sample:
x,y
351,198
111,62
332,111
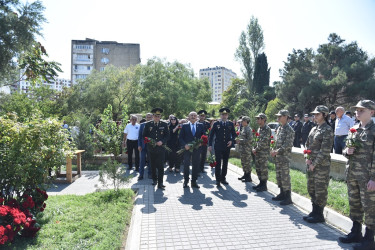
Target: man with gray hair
x,y
342,127
131,134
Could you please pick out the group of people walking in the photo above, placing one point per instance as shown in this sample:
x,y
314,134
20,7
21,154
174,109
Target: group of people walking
x,y
260,145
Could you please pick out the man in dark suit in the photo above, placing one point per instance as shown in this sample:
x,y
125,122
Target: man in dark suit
x,y
159,132
202,119
306,128
143,150
190,132
225,138
297,126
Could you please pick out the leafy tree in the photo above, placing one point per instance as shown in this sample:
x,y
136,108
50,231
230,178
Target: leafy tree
x,y
273,108
337,74
173,87
113,86
251,44
20,24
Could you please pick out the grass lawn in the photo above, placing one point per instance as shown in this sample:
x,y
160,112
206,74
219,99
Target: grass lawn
x,y
93,221
337,190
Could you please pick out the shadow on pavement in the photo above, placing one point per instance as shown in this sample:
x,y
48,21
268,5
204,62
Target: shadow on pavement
x,y
195,198
231,195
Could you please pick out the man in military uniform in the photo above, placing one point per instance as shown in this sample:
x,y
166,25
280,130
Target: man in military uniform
x,y
297,126
157,130
225,137
282,151
202,119
306,128
320,142
360,177
262,151
244,141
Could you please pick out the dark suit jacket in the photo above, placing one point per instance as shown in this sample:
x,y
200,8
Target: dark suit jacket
x,y
140,136
186,136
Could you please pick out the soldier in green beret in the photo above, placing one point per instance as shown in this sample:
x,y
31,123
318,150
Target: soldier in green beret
x,y
318,160
360,176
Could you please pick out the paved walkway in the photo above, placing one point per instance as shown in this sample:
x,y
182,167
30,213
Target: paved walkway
x,y
233,217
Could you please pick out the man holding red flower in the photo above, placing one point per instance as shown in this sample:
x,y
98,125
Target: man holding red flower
x,y
189,133
202,119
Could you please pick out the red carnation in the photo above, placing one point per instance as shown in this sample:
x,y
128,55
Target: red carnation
x,y
256,134
272,142
4,210
204,140
146,140
41,209
353,130
271,136
238,132
253,130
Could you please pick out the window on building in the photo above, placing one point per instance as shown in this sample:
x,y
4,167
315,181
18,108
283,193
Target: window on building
x,y
105,51
83,57
88,67
105,60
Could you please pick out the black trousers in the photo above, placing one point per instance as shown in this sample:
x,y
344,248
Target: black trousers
x,y
173,159
132,145
221,154
157,156
194,158
203,157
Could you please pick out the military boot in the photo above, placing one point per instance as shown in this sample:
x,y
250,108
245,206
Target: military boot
x,y
367,242
355,234
318,216
247,178
279,197
242,177
312,212
262,187
288,198
255,187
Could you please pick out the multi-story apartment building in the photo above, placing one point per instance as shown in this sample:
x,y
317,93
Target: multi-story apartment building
x,y
57,84
90,54
220,79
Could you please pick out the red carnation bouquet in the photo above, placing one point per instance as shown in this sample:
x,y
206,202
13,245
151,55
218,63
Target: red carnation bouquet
x,y
256,138
307,153
194,145
152,142
212,161
204,140
352,141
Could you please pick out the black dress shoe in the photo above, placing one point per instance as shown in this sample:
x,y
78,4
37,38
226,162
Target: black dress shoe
x,y
203,171
194,185
218,184
186,185
140,178
224,182
154,183
161,187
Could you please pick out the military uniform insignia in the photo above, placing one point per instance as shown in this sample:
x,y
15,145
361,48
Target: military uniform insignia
x,y
150,129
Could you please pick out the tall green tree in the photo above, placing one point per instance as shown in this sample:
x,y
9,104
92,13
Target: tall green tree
x,y
20,24
173,87
251,45
261,74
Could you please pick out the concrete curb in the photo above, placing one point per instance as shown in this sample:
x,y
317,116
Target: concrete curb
x,y
134,233
332,217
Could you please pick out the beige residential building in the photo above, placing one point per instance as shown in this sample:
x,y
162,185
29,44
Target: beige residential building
x,y
220,79
90,54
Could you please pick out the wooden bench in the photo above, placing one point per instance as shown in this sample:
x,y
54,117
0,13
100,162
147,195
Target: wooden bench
x,y
70,176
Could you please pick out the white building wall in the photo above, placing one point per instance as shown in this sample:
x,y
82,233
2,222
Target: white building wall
x,y
220,79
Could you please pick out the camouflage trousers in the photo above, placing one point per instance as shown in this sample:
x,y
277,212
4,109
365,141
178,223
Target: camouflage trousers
x,y
246,161
282,172
361,201
261,164
317,184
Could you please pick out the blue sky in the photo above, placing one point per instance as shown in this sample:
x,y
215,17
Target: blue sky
x,y
205,33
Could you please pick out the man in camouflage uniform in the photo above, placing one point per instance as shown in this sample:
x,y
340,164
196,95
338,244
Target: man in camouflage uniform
x,y
244,141
319,141
360,176
261,152
281,152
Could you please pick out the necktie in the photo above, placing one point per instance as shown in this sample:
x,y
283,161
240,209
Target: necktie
x,y
193,130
